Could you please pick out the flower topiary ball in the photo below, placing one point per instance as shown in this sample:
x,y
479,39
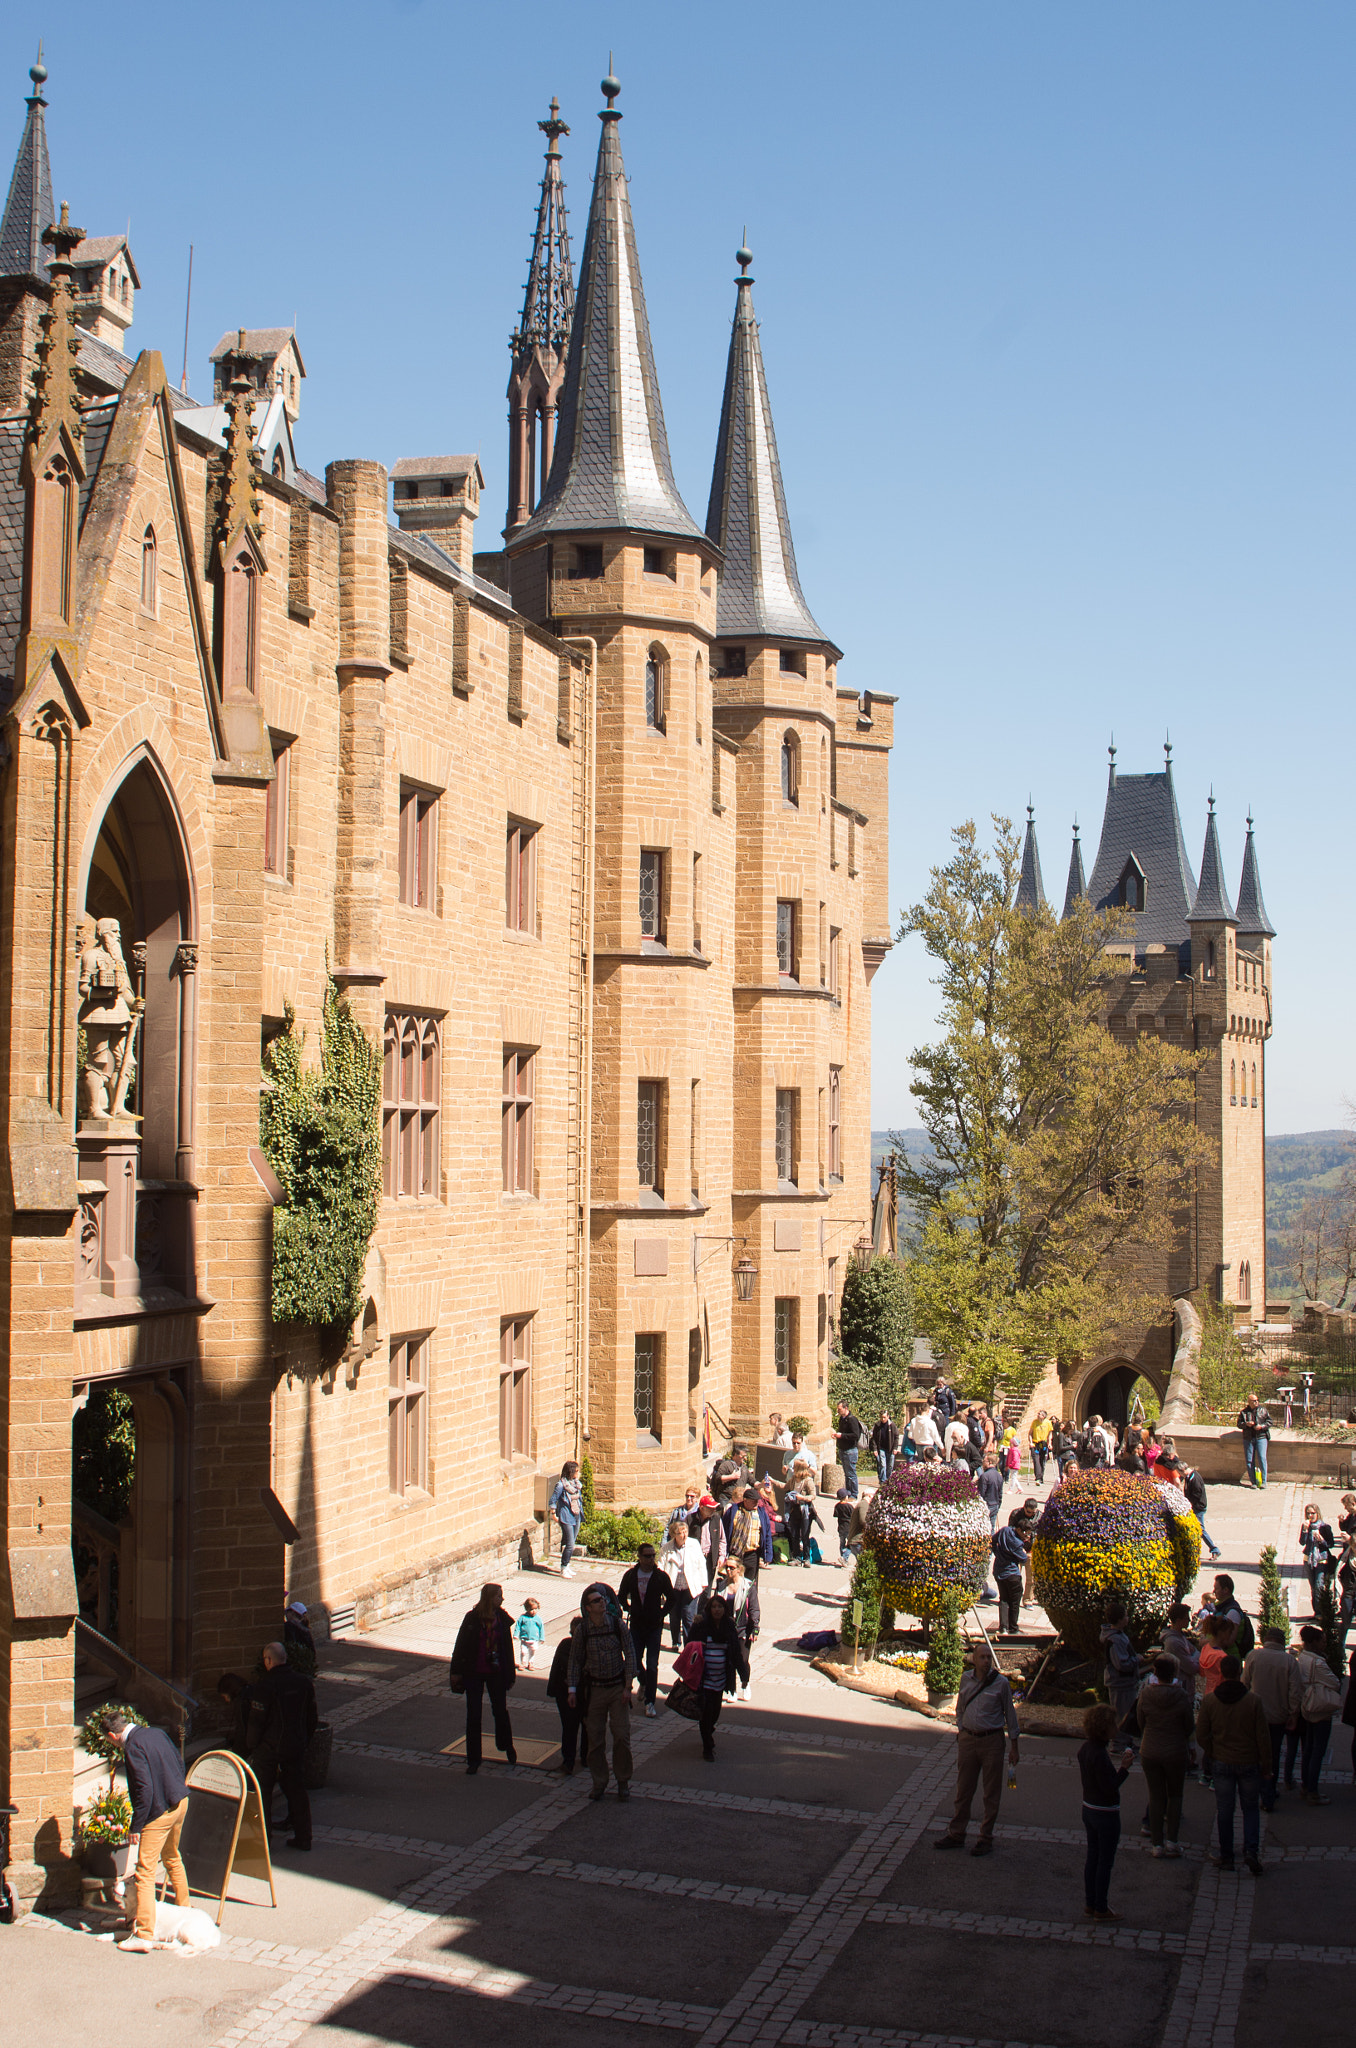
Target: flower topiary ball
x,y
928,1530
1114,1536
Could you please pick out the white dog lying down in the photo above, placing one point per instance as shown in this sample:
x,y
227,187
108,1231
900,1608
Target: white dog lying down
x,y
185,1927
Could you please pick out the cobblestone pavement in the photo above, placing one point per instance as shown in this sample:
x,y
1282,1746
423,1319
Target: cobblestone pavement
x,y
788,1894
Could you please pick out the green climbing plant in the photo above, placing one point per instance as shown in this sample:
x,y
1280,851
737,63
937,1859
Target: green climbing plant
x,y
320,1130
946,1654
1273,1612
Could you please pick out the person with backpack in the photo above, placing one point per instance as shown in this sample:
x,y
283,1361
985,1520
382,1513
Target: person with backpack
x,y
848,1435
1255,1424
1232,1730
1317,1545
1038,1437
1225,1607
1091,1448
1320,1699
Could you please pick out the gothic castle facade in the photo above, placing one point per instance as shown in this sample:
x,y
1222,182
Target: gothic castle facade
x,y
594,845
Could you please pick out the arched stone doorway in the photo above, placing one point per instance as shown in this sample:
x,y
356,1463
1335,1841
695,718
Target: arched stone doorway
x,y
1106,1390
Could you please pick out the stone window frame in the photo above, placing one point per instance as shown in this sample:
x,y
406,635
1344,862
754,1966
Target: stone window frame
x,y
835,1124
790,770
150,573
407,1412
515,1387
417,862
278,809
517,1139
786,1120
657,688
651,1139
520,877
411,1105
652,896
786,1338
835,962
647,1385
788,941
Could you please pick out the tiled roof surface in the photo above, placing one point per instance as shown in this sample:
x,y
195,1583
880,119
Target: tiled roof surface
x,y
259,341
421,549
435,465
1141,820
611,466
760,591
1212,898
28,208
1253,921
98,423
1075,886
111,368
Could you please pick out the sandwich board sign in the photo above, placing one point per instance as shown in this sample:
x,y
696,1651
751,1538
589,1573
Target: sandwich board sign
x,y
225,1830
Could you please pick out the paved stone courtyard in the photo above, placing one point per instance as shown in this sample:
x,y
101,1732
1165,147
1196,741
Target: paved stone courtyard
x,y
789,1894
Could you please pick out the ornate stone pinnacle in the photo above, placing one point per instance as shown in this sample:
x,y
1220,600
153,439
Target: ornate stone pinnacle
x,y
55,397
240,471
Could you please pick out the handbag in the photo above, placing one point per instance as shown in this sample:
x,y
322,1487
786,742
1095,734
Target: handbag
x,y
684,1700
690,1664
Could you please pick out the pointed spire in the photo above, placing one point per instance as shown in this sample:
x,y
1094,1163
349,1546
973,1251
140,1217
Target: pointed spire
x,y
611,466
55,402
1030,889
1253,922
239,509
549,299
760,591
28,209
1141,865
1212,905
1075,886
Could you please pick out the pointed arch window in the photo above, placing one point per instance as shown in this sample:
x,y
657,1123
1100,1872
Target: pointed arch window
x,y
1245,1283
1132,888
1233,1081
54,542
150,579
790,769
240,625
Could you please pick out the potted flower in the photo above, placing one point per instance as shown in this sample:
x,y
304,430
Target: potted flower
x,y
95,1739
104,1827
946,1662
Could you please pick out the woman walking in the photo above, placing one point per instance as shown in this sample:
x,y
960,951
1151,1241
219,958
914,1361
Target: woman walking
x,y
482,1662
573,1734
682,1559
1318,1703
567,1505
1166,1713
744,1613
1102,1782
802,1516
1317,1543
724,1666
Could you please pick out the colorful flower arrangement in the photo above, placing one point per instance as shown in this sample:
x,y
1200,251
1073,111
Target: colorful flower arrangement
x,y
928,1530
1114,1535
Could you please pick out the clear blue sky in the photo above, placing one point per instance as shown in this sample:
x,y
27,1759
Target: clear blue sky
x,y
1057,307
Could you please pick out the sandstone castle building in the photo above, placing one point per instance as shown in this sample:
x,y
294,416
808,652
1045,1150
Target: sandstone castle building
x,y
593,843
1196,974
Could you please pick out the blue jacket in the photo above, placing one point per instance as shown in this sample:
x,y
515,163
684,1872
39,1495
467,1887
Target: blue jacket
x,y
1009,1554
155,1775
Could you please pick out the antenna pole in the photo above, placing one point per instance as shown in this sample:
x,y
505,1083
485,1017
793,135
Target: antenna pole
x,y
188,303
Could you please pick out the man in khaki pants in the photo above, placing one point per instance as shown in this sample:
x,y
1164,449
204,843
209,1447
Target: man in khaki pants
x,y
984,1710
155,1778
603,1663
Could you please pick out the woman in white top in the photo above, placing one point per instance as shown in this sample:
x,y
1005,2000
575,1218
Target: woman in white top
x,y
681,1557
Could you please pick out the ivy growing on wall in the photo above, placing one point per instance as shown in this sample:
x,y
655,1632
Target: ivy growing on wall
x,y
320,1130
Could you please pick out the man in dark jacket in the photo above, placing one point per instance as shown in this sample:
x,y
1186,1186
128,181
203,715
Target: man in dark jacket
x,y
1255,1424
885,1444
287,1701
482,1662
155,1779
1009,1568
944,1401
646,1595
849,1434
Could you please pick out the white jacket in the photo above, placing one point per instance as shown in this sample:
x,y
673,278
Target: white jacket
x,y
687,1563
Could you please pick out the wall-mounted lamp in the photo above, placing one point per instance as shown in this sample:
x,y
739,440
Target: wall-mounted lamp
x,y
862,1253
745,1272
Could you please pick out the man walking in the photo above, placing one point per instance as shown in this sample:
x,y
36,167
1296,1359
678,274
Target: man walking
x,y
155,1778
1273,1675
603,1657
1039,1438
885,1443
983,1710
849,1434
287,1698
1009,1567
1193,1486
647,1596
1232,1730
1255,1424
944,1399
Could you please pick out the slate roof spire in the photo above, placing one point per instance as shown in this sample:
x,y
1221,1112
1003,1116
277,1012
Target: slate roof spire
x,y
1142,858
1075,886
760,593
611,468
1253,922
549,299
1030,889
1212,905
28,209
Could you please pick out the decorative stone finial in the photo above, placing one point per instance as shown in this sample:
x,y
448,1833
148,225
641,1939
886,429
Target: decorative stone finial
x,y
240,471
38,73
55,398
744,257
553,128
1167,750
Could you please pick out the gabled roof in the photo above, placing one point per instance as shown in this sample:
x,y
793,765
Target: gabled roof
x,y
760,594
1030,889
101,249
1253,922
28,209
1212,905
264,342
438,466
1075,886
610,470
1141,823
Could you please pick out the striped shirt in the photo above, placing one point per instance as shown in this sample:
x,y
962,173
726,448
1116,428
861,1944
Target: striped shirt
x,y
713,1667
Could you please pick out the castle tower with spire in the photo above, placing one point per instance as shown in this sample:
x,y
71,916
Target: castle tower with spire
x,y
25,289
540,340
1197,974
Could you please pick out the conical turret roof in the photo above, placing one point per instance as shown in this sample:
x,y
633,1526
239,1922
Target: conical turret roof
x,y
1141,826
1212,905
1253,921
1075,886
610,468
28,209
1030,889
760,594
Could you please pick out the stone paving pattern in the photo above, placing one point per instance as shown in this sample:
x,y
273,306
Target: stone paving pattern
x,y
789,1894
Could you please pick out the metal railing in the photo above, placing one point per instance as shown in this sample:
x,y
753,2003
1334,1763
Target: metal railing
x,y
145,1688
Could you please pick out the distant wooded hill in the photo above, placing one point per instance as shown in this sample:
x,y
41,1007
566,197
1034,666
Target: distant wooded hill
x,y
1299,1164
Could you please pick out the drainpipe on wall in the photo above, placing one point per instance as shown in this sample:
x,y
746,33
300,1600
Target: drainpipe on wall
x,y
582,1303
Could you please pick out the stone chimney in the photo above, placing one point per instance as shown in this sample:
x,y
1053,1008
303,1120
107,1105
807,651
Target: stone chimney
x,y
440,495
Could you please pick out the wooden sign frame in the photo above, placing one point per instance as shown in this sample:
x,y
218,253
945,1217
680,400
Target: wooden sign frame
x,y
248,1848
